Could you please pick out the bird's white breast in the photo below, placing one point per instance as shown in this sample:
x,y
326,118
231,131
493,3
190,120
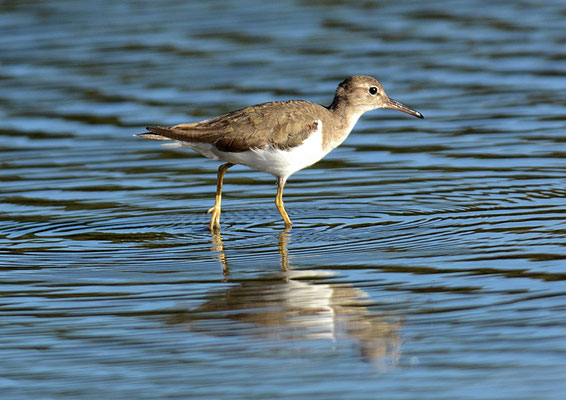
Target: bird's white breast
x,y
278,162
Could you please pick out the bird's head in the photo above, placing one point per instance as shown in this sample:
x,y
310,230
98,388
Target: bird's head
x,y
365,93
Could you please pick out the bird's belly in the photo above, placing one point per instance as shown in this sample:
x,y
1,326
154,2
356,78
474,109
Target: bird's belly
x,y
278,162
281,163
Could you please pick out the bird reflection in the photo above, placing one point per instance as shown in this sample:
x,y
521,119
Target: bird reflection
x,y
296,306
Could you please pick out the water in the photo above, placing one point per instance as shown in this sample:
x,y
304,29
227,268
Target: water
x,y
427,257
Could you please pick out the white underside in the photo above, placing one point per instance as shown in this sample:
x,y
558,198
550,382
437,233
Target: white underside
x,y
280,163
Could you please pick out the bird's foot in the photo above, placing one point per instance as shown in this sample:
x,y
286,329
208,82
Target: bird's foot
x,y
215,219
214,226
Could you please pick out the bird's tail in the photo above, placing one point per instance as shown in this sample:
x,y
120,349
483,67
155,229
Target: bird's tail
x,y
155,133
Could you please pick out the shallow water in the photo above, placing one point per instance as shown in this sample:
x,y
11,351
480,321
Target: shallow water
x,y
427,257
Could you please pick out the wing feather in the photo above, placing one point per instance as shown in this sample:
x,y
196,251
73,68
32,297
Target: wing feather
x,y
283,124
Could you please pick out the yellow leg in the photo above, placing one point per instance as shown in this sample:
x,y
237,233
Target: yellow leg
x,y
279,202
215,220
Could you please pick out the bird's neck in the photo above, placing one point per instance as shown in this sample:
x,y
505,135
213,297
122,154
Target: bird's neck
x,y
345,118
345,114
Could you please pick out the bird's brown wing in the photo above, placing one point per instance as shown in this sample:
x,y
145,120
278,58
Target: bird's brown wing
x,y
283,124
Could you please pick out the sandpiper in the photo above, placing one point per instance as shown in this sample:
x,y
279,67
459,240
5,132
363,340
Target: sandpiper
x,y
280,137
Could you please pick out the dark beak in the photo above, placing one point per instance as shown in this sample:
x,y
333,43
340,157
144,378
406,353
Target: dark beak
x,y
402,107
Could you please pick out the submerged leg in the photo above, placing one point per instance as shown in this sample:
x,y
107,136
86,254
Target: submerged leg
x,y
279,202
215,220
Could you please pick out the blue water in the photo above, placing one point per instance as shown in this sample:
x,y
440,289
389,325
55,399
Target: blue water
x,y
426,259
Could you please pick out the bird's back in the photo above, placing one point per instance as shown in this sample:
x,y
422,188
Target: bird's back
x,y
280,124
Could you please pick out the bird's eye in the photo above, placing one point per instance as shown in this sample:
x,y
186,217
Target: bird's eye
x,y
372,90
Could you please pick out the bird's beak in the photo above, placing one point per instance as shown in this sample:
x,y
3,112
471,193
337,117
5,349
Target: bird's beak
x,y
390,103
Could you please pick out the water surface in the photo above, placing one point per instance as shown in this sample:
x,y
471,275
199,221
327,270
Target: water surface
x,y
426,259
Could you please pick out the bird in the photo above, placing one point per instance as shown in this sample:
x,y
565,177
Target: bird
x,y
278,137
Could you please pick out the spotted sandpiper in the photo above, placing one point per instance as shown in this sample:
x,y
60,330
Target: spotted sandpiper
x,y
280,137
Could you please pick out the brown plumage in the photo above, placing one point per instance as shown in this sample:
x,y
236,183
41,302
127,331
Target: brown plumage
x,y
280,124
